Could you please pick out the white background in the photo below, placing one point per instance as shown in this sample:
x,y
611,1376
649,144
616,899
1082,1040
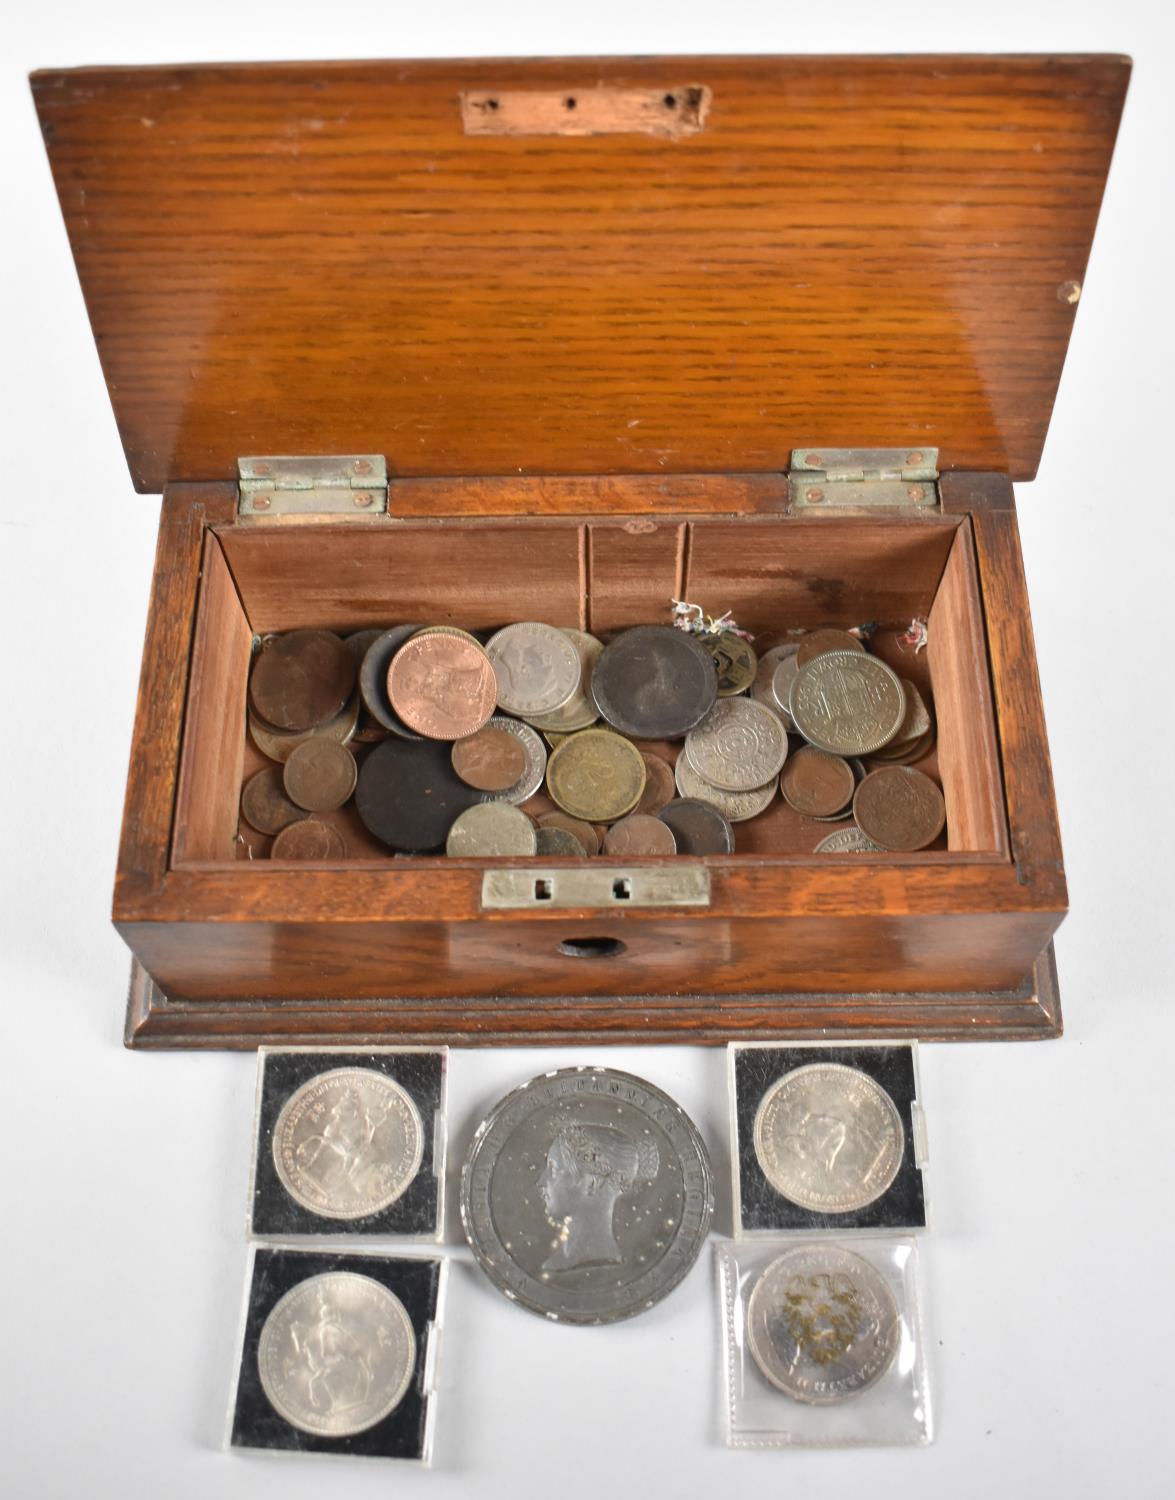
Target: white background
x,y
1048,1273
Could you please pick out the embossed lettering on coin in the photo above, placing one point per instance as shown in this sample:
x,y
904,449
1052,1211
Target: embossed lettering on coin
x,y
899,808
847,703
596,775
847,841
537,667
739,745
737,807
442,685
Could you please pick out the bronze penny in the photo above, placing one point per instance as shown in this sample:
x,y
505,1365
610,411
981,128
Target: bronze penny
x,y
264,804
698,827
301,679
490,760
408,794
309,839
588,838
320,775
899,808
639,834
817,642
815,783
442,685
654,682
660,787
558,842
279,745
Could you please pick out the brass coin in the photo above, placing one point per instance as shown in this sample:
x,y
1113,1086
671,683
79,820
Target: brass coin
x,y
309,839
320,775
557,842
659,784
579,712
280,747
899,808
443,686
734,659
584,832
490,760
596,775
264,804
301,679
816,784
817,642
639,834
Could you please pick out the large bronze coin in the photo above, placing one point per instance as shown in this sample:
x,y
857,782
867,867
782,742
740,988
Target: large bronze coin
x,y
817,642
815,783
320,775
264,804
596,775
490,760
698,827
301,679
373,679
582,832
639,834
654,682
309,839
899,808
847,703
280,745
734,661
442,685
659,785
409,796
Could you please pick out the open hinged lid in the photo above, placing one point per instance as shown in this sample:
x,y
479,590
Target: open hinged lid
x,y
582,266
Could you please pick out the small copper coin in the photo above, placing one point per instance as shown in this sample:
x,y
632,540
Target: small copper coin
x,y
442,685
698,827
264,804
899,808
817,642
279,745
491,760
558,842
816,784
309,839
320,775
588,839
301,679
639,834
659,784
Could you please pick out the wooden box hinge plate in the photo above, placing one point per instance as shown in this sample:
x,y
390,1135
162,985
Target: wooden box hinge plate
x,y
837,479
353,486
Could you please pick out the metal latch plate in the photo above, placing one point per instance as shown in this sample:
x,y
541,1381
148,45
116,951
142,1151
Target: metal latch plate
x,y
352,486
612,888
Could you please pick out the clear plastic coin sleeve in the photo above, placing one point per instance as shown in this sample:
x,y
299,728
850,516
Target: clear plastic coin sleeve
x,y
822,1342
826,1138
349,1142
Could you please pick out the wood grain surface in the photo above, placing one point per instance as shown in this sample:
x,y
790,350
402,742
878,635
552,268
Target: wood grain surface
x,y
310,258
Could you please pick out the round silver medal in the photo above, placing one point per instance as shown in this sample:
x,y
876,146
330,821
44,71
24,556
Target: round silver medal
x,y
347,1143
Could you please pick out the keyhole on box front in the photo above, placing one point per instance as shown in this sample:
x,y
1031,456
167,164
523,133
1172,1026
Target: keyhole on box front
x,y
591,947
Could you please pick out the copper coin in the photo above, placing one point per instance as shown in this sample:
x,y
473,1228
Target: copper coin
x,y
558,842
443,686
408,794
301,679
491,760
697,827
817,642
815,783
899,808
320,775
660,787
654,682
280,745
309,839
373,679
588,838
639,834
264,804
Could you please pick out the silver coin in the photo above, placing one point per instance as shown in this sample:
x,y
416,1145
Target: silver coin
x,y
586,1195
847,841
822,1325
781,681
738,746
762,690
847,702
579,712
829,1138
491,830
737,806
536,762
337,1354
347,1143
537,667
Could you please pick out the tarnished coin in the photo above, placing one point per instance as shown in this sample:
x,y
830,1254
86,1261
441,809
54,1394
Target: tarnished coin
x,y
586,1195
817,642
738,746
279,745
264,804
654,682
491,830
409,796
659,785
698,827
492,760
817,784
847,703
899,808
904,755
829,1138
320,775
348,1143
737,807
583,832
781,680
442,685
847,841
596,775
558,842
734,659
301,679
763,689
639,834
536,762
822,1325
536,666
309,839
358,643
337,1354
579,712
373,679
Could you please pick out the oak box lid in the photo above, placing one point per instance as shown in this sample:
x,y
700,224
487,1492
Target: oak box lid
x,y
582,266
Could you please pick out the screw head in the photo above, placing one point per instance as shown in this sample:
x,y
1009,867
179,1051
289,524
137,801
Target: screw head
x,y
262,469
913,458
813,460
362,498
361,466
261,502
915,492
813,496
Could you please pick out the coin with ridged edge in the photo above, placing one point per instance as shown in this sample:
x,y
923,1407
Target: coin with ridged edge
x,y
491,830
537,667
596,775
654,682
738,746
847,841
847,702
579,712
900,808
736,807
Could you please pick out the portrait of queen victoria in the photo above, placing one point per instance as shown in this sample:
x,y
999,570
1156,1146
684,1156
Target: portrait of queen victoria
x,y
588,1169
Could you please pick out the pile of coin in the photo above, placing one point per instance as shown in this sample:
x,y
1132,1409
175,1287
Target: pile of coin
x,y
547,742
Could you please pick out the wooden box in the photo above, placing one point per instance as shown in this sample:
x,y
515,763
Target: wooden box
x,y
609,322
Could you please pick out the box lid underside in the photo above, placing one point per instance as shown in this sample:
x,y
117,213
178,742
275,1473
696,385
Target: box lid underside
x,y
318,258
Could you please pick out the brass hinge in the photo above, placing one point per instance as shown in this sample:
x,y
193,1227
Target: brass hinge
x,y
902,479
353,487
